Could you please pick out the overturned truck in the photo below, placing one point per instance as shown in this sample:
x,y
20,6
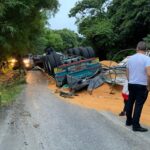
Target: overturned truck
x,y
76,68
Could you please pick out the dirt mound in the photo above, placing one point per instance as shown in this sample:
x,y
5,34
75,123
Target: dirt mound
x,y
109,63
105,97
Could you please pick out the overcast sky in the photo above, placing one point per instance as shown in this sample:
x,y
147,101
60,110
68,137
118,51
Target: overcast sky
x,y
61,19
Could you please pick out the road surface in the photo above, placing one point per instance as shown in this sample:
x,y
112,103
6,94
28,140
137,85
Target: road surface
x,y
39,120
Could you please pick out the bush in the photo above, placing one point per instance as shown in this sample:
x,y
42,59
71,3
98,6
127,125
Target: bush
x,y
9,90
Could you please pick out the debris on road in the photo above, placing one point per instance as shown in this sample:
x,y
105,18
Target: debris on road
x,y
36,125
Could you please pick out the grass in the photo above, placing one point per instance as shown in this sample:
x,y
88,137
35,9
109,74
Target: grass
x,y
9,92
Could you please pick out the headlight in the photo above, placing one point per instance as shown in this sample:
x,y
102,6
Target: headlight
x,y
26,62
12,62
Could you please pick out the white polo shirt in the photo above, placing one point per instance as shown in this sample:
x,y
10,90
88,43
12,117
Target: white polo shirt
x,y
136,65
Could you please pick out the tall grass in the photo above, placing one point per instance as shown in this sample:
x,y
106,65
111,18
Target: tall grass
x,y
9,91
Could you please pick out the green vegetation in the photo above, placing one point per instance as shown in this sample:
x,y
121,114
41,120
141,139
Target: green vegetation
x,y
23,28
112,25
147,40
106,25
61,40
22,23
8,92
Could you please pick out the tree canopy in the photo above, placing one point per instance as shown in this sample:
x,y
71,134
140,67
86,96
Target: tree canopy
x,y
22,22
61,40
131,19
115,24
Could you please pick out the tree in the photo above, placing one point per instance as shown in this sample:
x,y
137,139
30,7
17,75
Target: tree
x,y
88,8
115,24
94,24
131,19
61,40
22,22
147,40
53,39
70,38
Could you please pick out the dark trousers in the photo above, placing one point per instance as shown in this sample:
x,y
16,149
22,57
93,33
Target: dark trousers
x,y
137,95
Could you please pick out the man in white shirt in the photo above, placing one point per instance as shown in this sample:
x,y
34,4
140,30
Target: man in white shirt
x,y
138,74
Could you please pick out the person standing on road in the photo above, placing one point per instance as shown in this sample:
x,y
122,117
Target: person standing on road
x,y
138,74
125,95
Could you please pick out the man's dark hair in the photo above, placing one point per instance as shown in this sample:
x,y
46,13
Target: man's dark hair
x,y
141,46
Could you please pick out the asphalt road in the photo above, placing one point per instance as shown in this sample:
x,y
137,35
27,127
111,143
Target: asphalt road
x,y
39,120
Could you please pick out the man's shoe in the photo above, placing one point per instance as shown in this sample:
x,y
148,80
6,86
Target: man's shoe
x,y
122,113
140,129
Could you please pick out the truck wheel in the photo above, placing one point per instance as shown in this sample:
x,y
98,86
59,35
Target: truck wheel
x,y
44,64
49,68
70,51
84,52
91,52
56,59
76,51
48,65
51,63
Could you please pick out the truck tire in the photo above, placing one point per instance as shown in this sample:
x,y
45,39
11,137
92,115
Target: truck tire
x,y
70,51
91,52
44,64
76,51
49,68
48,65
51,64
56,59
84,52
